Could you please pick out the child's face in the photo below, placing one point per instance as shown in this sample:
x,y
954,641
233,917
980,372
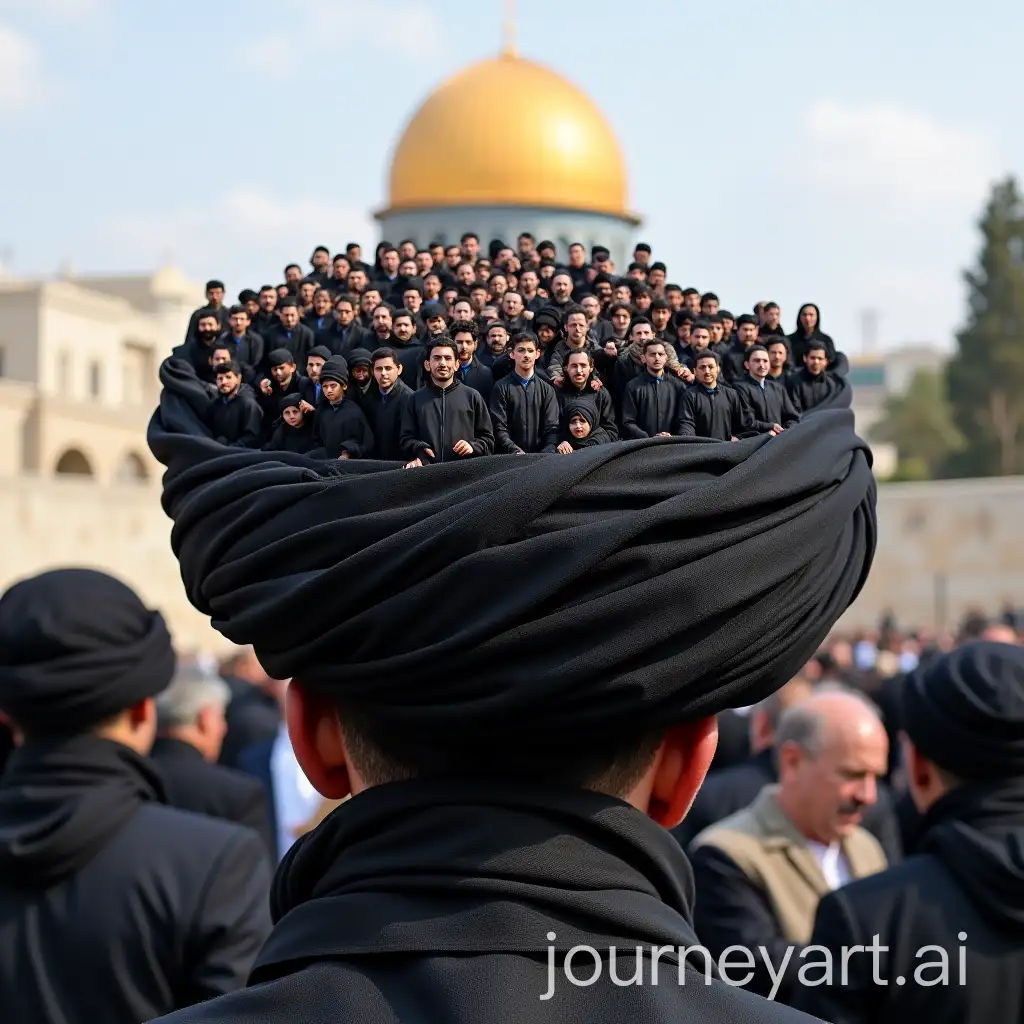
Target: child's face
x,y
283,372
332,390
314,364
578,426
292,416
360,374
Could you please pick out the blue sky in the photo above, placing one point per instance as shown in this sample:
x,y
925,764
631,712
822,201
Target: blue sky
x,y
804,150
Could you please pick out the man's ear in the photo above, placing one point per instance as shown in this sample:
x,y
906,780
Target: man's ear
x,y
318,742
682,763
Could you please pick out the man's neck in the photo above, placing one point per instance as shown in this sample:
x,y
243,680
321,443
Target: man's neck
x,y
656,373
443,384
528,375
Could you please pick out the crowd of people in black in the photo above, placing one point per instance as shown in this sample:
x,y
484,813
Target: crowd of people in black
x,y
435,353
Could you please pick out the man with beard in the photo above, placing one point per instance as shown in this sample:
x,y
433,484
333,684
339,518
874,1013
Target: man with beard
x,y
266,319
734,353
233,415
199,348
444,420
403,341
320,319
116,907
576,338
770,325
956,908
523,408
760,873
247,345
497,339
778,360
812,385
290,334
709,409
581,385
214,304
470,370
767,402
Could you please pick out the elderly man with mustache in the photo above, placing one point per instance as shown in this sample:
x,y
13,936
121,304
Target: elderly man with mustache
x,y
760,872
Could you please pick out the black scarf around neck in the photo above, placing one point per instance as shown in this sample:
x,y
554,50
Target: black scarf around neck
x,y
62,801
442,867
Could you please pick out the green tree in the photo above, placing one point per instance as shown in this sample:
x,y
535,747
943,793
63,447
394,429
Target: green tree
x,y
985,378
920,424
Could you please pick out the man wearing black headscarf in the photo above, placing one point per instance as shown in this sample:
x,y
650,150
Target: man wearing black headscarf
x,y
960,899
114,907
516,749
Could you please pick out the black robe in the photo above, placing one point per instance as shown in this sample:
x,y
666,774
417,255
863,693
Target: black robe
x,y
809,391
434,901
767,405
651,405
342,427
115,907
236,421
525,419
386,420
719,413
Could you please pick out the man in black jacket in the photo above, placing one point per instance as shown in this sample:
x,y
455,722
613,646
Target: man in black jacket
x,y
190,733
735,353
941,935
813,385
709,409
340,430
524,408
651,402
247,346
582,384
767,402
444,420
114,906
388,404
472,372
234,415
290,334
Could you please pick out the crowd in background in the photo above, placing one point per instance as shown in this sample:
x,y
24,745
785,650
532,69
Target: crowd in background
x,y
436,352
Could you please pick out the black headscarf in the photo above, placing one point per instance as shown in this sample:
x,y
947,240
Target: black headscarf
x,y
965,711
76,647
708,573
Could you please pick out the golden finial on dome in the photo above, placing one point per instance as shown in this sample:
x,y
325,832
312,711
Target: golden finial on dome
x,y
509,48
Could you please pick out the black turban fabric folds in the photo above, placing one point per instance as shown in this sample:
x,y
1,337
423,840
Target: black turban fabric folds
x,y
625,587
77,647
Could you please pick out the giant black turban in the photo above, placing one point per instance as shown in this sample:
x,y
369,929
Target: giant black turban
x,y
77,647
628,586
965,711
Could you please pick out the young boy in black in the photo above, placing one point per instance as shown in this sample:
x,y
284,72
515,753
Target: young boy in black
x,y
234,415
294,431
341,430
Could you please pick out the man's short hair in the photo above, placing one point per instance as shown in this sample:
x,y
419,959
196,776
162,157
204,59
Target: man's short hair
x,y
385,352
463,327
192,689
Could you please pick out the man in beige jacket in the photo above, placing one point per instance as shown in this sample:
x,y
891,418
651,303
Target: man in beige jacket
x,y
761,872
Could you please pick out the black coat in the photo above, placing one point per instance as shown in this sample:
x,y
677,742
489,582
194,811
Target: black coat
x,y
434,901
298,341
249,352
478,377
767,405
808,391
968,880
720,413
193,784
437,418
606,430
292,439
236,421
651,405
386,420
731,789
113,906
525,419
411,357
342,427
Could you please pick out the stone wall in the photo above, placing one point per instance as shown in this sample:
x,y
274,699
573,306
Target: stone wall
x,y
945,547
54,523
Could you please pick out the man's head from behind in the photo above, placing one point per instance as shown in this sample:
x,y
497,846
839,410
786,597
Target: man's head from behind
x,y
963,720
80,653
831,749
192,710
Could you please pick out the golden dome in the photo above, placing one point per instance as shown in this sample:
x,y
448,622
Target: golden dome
x,y
509,132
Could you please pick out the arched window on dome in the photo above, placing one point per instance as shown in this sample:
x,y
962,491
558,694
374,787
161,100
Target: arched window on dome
x,y
73,462
132,470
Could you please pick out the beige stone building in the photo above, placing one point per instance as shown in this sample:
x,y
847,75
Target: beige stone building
x,y
78,384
